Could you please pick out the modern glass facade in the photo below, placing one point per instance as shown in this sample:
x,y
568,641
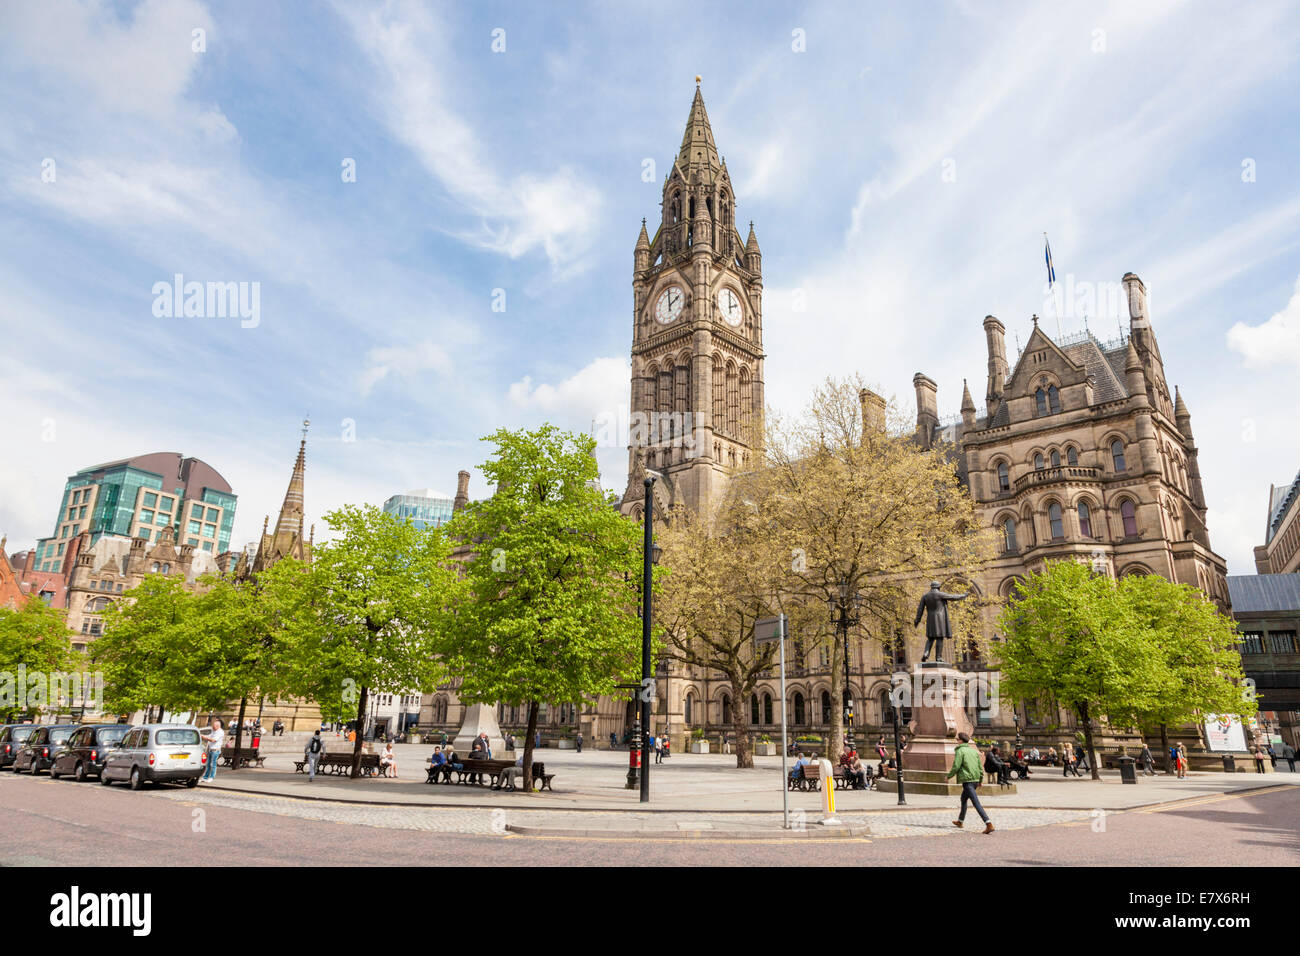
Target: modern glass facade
x,y
139,497
425,508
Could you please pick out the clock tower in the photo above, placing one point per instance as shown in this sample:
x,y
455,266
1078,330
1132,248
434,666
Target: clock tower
x,y
697,335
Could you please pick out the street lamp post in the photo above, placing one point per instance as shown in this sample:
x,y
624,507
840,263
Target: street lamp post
x,y
896,707
649,558
844,615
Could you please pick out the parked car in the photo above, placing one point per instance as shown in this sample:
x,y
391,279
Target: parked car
x,y
158,753
84,754
12,737
41,747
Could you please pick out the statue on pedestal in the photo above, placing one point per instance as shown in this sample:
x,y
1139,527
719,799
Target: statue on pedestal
x,y
934,604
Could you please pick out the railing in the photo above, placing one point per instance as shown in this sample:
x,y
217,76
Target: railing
x,y
1044,476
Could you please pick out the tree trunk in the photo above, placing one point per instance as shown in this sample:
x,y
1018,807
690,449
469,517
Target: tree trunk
x,y
835,740
361,731
528,746
1164,746
739,727
239,733
1087,740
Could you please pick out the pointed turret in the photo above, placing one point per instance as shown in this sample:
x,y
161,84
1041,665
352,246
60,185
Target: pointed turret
x,y
1181,415
1135,377
291,510
287,541
967,406
753,257
462,486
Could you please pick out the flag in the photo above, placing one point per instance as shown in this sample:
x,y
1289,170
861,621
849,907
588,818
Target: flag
x,y
1047,254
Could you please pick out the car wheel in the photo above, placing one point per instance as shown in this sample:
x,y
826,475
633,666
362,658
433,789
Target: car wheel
x,y
103,778
79,772
54,772
136,780
192,782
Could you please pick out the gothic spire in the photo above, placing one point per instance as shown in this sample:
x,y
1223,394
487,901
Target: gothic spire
x,y
291,512
698,152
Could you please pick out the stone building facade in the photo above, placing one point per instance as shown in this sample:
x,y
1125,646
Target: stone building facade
x,y
1280,552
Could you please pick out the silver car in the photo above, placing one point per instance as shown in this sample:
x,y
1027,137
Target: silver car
x,y
158,753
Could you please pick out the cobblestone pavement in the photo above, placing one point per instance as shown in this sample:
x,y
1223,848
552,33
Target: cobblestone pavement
x,y
884,824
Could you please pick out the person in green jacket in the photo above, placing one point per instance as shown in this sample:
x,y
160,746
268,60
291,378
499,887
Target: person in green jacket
x,y
966,768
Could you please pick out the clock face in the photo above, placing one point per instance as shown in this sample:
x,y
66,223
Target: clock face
x,y
729,306
669,305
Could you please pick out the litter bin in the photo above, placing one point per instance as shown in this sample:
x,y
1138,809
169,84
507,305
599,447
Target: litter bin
x,y
1229,764
1127,774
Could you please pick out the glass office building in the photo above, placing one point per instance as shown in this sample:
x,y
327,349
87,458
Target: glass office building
x,y
139,497
424,506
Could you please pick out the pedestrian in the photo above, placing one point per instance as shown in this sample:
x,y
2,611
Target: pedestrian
x,y
613,740
312,752
658,744
537,740
1180,761
1259,759
213,738
1081,758
1068,764
966,768
578,740
1272,755
443,742
1288,754
1147,762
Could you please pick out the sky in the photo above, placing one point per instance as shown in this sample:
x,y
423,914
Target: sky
x,y
435,207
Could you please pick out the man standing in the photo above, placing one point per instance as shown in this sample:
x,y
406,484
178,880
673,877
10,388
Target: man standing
x,y
966,768
213,738
315,747
1147,762
578,741
1288,754
613,740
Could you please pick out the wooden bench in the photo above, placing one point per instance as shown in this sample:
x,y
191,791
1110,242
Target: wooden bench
x,y
808,780
843,781
247,756
341,763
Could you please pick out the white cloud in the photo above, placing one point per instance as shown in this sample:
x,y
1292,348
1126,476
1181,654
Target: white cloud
x,y
403,361
600,388
1275,342
555,211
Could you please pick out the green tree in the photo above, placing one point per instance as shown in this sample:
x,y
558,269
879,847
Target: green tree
x,y
33,637
552,573
1072,636
144,650
363,616
1197,645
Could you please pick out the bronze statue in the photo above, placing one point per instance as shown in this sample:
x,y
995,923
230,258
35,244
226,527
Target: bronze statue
x,y
934,604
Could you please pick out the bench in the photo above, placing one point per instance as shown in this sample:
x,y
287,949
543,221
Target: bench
x,y
247,755
808,780
843,782
341,763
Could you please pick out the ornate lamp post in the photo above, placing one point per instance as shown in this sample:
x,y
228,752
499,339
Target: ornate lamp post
x,y
899,687
845,610
641,729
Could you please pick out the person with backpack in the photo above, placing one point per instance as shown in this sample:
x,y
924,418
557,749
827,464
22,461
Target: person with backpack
x,y
313,751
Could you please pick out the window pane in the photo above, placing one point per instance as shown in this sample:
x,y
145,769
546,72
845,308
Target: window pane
x,y
146,517
196,511
1054,517
150,499
1071,457
212,514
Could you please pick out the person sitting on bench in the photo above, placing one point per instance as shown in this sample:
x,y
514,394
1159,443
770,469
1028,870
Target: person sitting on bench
x,y
507,778
796,772
855,772
994,764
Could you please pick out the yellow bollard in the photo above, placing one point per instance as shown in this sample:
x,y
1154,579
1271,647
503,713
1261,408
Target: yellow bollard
x,y
828,793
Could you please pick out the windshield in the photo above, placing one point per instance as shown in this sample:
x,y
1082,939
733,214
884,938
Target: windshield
x,y
60,735
22,733
179,737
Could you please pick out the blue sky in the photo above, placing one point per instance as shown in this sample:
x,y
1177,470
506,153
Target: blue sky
x,y
900,163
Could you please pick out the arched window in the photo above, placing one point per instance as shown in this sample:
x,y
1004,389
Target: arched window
x,y
690,708
733,399
166,569
746,403
1128,513
1085,520
1039,464
1056,458
1054,399
886,708
719,393
799,710
726,710
1040,403
1054,521
154,569
1009,535
767,708
1071,456
753,708
826,707
1004,477
1117,454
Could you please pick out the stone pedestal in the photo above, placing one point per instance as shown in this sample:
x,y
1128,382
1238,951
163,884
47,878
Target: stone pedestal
x,y
480,719
938,699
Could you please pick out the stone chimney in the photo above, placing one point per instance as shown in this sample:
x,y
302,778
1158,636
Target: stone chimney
x,y
995,335
873,411
927,408
462,491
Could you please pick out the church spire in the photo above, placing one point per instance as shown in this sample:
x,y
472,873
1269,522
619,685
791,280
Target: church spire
x,y
291,512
